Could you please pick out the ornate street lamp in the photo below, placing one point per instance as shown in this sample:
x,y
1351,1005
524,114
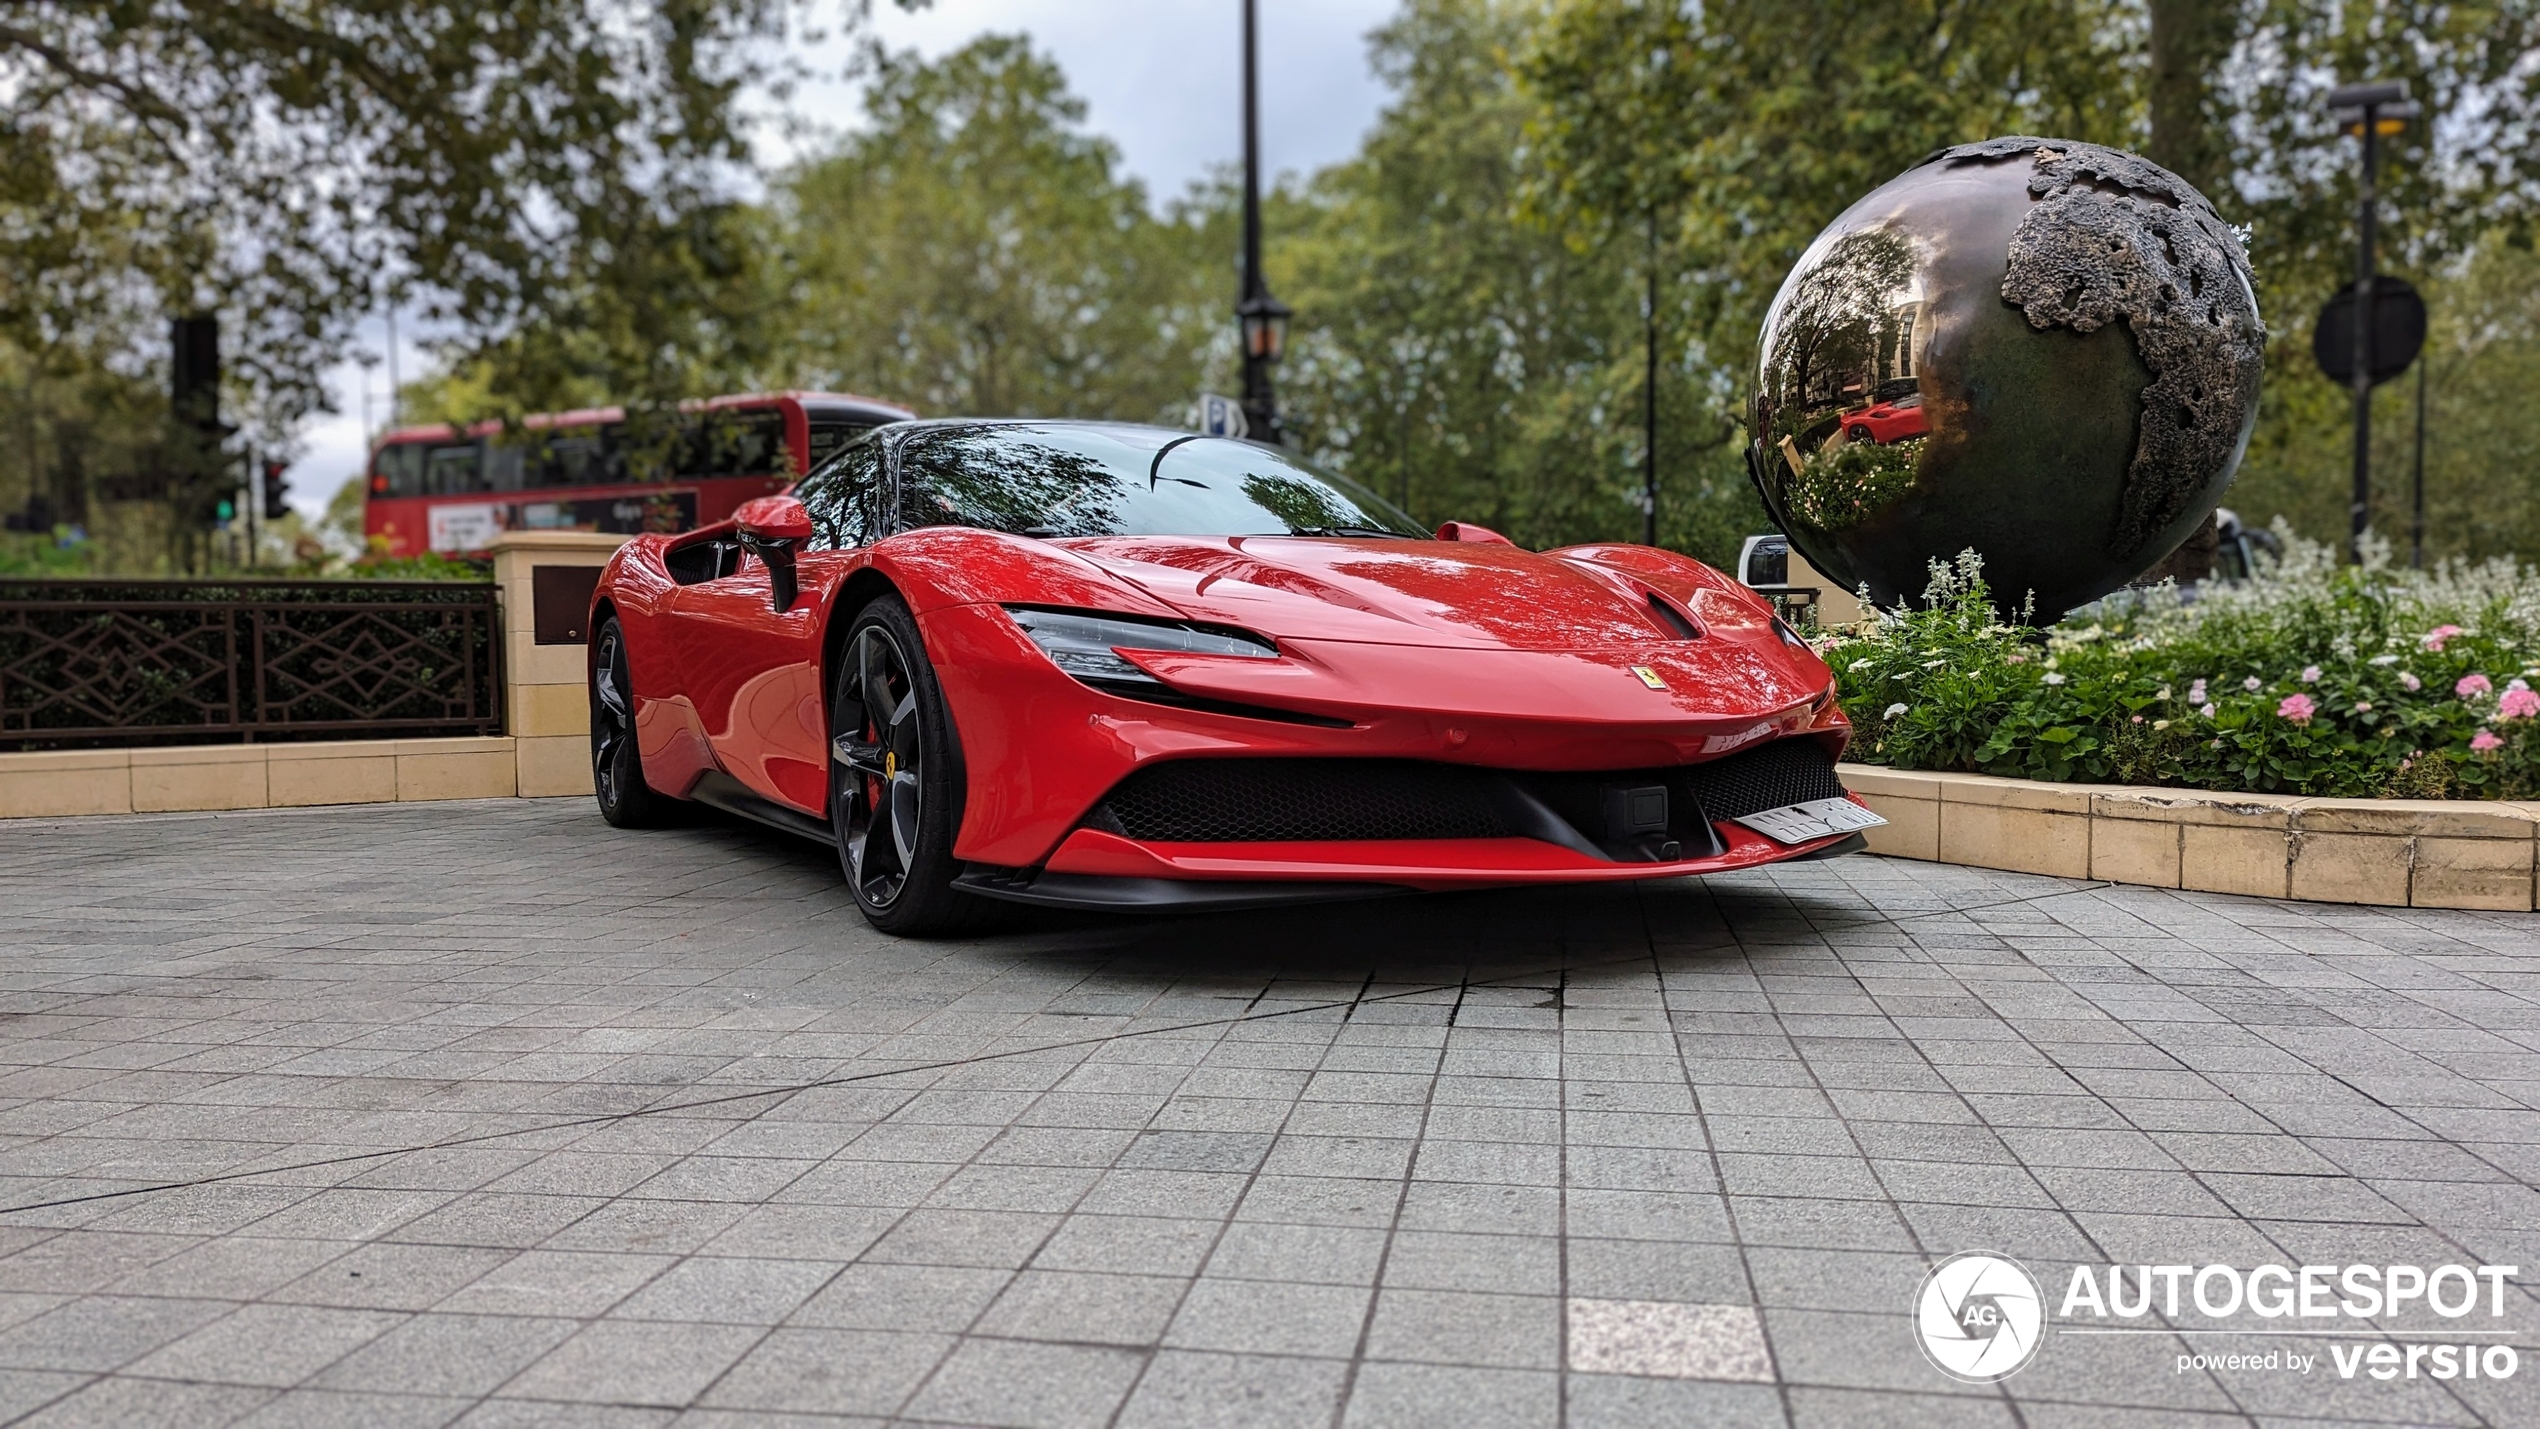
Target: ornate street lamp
x,y
1264,318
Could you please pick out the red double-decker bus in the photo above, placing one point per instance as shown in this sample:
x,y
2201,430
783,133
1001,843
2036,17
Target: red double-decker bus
x,y
451,491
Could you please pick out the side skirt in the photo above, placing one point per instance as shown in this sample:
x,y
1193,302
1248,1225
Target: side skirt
x,y
732,796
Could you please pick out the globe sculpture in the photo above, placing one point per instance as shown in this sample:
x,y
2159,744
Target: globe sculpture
x,y
2044,351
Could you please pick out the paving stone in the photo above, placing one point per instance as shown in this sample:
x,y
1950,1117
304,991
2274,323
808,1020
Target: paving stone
x,y
489,1114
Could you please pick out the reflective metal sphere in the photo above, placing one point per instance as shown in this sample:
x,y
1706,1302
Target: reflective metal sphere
x,y
2042,350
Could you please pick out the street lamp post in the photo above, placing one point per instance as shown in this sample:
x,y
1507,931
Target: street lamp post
x,y
1263,318
2370,111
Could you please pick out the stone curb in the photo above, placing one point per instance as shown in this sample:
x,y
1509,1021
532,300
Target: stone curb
x,y
2397,853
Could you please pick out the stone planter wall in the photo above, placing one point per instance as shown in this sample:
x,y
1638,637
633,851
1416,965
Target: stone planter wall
x,y
2389,852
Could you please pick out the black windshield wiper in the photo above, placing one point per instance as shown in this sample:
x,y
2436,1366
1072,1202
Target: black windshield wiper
x,y
1347,531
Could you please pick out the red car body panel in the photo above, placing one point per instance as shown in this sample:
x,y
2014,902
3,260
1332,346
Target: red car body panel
x,y
1890,421
1468,652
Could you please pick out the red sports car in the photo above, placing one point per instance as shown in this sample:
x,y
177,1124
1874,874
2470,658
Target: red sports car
x,y
1888,421
1096,665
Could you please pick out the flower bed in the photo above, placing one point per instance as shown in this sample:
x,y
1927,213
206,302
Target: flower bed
x,y
2311,678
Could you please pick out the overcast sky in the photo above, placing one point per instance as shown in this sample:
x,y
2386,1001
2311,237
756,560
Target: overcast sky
x,y
1160,78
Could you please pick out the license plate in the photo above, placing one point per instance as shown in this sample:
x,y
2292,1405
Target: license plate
x,y
1816,819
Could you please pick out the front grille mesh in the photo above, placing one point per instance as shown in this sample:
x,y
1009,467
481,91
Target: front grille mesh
x,y
1266,800
1285,800
1786,771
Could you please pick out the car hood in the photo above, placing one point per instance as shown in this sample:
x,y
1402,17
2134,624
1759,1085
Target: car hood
x,y
1432,593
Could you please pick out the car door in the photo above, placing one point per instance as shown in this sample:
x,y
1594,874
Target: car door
x,y
752,670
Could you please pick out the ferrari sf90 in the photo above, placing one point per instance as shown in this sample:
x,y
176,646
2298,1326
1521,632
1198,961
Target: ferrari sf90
x,y
1105,666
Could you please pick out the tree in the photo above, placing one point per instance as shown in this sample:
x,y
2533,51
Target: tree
x,y
285,165
974,251
1462,357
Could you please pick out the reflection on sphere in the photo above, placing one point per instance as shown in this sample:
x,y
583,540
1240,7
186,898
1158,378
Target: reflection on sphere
x,y
2046,351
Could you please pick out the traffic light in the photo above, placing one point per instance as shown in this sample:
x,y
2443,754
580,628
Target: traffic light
x,y
277,504
224,511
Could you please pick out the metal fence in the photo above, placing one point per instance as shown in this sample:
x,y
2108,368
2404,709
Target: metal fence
x,y
85,663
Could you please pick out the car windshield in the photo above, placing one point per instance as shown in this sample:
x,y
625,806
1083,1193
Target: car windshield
x,y
1091,480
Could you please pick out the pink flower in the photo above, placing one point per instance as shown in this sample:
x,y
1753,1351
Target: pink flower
x,y
2518,704
2472,686
2297,708
2410,682
2482,742
2363,706
2138,719
2207,710
2310,674
2253,684
2196,693
2434,638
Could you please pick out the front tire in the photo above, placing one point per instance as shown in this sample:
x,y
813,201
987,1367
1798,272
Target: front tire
x,y
896,780
617,761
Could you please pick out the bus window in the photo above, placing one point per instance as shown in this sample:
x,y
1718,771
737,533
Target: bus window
x,y
732,444
827,437
452,469
506,466
572,456
397,471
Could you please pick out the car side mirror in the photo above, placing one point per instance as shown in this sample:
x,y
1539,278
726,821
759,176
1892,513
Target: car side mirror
x,y
1468,532
772,528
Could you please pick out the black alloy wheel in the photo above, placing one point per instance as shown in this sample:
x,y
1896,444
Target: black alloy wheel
x,y
617,764
1861,434
896,780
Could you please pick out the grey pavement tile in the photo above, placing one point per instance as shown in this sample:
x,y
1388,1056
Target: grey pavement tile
x,y
628,1362
1466,1327
727,1291
1137,1245
1194,1389
1417,1396
118,1403
1268,1317
1272,1250
275,1345
102,1332
331,1409
1611,1401
438,1354
903,1297
385,1276
830,1371
1035,1386
1084,1307
573,1284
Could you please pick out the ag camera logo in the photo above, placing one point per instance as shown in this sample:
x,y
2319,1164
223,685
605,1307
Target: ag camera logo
x,y
1979,1317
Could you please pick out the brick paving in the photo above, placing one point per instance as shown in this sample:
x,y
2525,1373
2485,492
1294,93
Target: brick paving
x,y
489,1114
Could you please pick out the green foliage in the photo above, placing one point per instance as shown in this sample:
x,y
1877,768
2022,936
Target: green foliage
x,y
973,250
1470,362
2310,679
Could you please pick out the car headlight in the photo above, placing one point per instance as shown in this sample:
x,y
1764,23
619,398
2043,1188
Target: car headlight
x,y
1086,645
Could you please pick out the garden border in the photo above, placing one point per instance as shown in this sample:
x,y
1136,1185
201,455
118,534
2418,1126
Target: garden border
x,y
2403,853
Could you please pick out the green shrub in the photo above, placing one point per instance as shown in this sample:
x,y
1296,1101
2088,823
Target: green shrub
x,y
2310,678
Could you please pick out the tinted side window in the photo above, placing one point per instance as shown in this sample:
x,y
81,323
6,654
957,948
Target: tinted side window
x,y
840,497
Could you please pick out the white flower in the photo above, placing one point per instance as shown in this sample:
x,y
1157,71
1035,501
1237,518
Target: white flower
x,y
1892,711
2196,692
2383,660
2054,679
2207,711
1934,664
2253,684
1861,664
